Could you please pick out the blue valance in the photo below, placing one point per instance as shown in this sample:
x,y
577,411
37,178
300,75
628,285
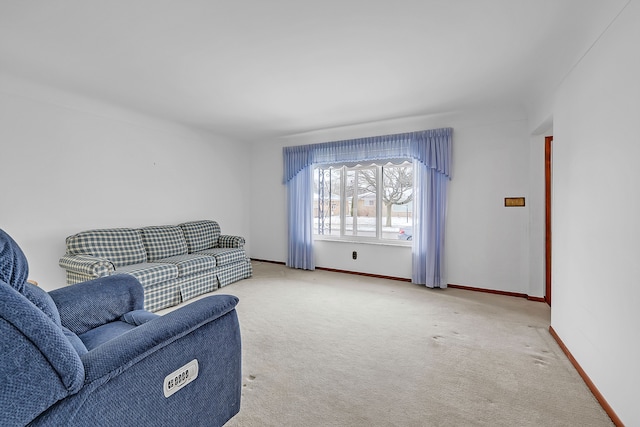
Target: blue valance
x,y
431,147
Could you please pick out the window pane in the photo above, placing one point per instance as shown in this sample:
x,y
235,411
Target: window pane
x,y
351,196
326,201
367,201
351,208
397,202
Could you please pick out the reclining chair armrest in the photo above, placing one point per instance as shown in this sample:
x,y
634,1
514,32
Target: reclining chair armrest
x,y
87,265
89,304
128,379
228,241
127,349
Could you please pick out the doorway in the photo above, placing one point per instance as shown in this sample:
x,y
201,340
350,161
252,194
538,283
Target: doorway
x,y
547,216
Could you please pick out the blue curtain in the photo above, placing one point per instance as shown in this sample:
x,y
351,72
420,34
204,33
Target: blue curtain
x,y
431,151
429,213
300,220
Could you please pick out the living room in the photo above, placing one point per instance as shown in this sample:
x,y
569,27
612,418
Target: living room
x,y
75,159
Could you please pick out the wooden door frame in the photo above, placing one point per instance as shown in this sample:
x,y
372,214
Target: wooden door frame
x,y
547,216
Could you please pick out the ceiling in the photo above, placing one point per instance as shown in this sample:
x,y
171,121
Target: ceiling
x,y
255,68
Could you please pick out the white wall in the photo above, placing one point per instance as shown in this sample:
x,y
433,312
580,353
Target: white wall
x,y
69,164
537,236
487,245
596,211
83,164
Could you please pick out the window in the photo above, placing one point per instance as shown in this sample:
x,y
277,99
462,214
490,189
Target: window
x,y
363,202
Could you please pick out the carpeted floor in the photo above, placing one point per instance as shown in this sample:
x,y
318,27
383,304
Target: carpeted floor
x,y
331,349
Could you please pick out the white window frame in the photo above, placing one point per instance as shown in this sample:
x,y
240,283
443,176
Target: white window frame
x,y
343,237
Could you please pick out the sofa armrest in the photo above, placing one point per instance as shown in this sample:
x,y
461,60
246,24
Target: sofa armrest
x,y
87,265
140,342
226,241
89,304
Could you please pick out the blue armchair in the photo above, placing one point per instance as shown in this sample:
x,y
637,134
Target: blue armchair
x,y
88,354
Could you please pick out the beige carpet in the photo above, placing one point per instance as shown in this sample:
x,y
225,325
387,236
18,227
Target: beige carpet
x,y
331,349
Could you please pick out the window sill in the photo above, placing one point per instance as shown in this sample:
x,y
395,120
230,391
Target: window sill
x,y
399,243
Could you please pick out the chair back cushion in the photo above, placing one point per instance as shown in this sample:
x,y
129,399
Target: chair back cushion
x,y
39,365
121,246
44,302
201,234
163,241
14,269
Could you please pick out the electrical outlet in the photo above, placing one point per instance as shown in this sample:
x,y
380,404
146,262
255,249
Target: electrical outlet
x,y
354,255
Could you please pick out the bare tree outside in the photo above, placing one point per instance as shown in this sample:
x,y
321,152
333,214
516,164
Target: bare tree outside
x,y
397,187
372,201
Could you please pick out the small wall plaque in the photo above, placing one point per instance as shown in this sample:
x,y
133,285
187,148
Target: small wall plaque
x,y
511,202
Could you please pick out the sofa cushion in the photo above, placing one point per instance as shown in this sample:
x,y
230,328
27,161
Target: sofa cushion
x,y
163,241
225,256
150,273
191,263
121,246
201,234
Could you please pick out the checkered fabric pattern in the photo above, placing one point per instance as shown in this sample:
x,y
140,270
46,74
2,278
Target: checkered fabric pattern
x,y
87,265
201,234
161,258
121,246
234,272
150,273
225,256
198,285
163,241
162,296
231,241
191,263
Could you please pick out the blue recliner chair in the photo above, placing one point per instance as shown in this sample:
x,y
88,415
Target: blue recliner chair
x,y
89,355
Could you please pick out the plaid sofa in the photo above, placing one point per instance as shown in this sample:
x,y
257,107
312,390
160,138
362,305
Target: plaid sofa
x,y
174,263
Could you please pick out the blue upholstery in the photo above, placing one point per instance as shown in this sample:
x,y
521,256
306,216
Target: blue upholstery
x,y
88,354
